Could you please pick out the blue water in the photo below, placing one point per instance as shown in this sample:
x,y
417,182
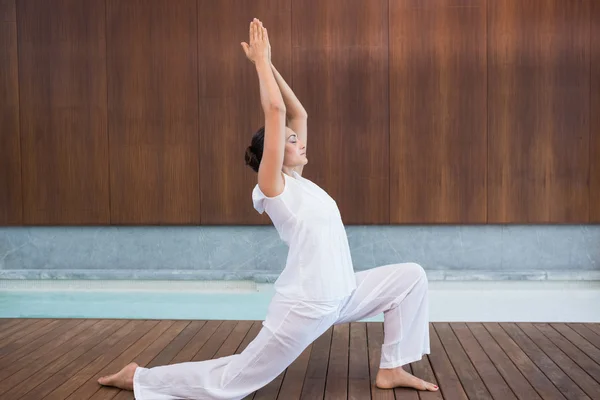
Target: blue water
x,y
134,305
137,305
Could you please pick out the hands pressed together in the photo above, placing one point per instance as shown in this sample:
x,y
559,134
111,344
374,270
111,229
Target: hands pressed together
x,y
259,48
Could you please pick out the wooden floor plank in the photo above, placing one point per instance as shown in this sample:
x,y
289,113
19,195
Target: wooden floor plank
x,y
112,359
10,322
444,371
513,377
25,376
53,329
359,383
37,348
187,344
579,341
62,359
337,373
575,372
29,334
471,381
316,373
375,336
173,349
561,380
25,325
582,359
494,382
594,327
526,366
587,333
213,344
154,346
66,380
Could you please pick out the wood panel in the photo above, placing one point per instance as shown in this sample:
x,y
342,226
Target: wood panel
x,y
153,112
595,113
62,83
340,74
438,111
229,96
11,202
538,111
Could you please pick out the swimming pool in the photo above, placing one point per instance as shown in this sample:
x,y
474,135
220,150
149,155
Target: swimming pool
x,y
449,301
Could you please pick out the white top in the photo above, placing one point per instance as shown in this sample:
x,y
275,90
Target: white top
x,y
319,265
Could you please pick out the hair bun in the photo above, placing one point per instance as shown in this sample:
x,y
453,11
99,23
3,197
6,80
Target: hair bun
x,y
250,156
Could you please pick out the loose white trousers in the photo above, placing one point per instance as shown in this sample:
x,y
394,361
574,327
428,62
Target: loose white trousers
x,y
397,290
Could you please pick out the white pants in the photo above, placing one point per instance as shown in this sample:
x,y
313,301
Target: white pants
x,y
397,290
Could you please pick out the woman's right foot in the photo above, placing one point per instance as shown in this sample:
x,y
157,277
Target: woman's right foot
x,y
122,379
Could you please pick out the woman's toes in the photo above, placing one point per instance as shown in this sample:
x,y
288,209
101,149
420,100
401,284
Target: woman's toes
x,y
430,386
105,380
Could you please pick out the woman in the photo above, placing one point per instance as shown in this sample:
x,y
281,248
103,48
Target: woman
x,y
318,287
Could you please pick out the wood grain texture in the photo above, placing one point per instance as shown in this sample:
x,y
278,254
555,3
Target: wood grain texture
x,y
230,108
438,111
340,74
538,111
153,112
533,350
62,83
8,11
549,360
11,201
595,113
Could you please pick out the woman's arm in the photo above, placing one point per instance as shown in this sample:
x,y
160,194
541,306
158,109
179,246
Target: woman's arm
x,y
270,180
297,116
292,104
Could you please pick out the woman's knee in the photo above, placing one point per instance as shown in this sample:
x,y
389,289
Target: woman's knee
x,y
416,271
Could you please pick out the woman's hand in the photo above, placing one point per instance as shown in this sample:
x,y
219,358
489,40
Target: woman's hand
x,y
259,47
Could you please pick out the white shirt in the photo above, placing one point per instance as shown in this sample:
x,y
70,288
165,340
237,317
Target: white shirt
x,y
319,265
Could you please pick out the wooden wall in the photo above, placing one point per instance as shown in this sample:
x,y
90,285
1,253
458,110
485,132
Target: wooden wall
x,y
595,113
445,111
538,111
11,201
438,110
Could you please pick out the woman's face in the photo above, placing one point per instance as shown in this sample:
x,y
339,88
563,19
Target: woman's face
x,y
295,150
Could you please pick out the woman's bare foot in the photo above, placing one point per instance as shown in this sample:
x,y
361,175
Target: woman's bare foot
x,y
395,377
122,379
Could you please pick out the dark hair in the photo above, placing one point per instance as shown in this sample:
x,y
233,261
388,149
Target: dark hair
x,y
254,152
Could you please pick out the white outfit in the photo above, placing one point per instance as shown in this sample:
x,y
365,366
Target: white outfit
x,y
319,264
316,290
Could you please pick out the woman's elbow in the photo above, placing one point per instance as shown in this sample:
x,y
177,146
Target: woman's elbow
x,y
275,108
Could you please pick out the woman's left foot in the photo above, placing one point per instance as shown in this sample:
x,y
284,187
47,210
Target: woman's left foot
x,y
122,379
398,377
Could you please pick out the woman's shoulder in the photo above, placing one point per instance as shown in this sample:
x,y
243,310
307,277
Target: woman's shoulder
x,y
260,199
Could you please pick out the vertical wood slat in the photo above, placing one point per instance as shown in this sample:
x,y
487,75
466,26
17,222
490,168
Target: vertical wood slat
x,y
11,202
62,84
153,112
340,74
539,114
595,113
438,134
229,102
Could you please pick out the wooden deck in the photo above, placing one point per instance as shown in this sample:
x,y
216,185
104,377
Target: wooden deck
x,y
61,359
